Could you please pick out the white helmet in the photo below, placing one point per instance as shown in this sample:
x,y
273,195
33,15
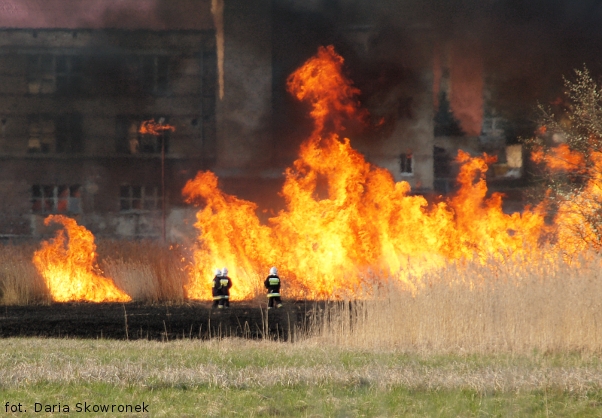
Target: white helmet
x,y
273,270
218,272
224,271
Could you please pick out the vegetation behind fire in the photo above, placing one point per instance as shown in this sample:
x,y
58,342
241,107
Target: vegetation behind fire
x,y
568,146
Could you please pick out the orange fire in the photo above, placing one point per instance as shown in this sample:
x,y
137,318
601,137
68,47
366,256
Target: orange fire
x,y
577,217
367,227
155,128
67,264
560,158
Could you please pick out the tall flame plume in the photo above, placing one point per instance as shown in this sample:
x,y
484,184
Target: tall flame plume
x,y
367,226
67,264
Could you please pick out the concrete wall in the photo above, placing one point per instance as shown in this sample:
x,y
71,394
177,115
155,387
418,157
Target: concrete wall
x,y
398,89
244,135
412,134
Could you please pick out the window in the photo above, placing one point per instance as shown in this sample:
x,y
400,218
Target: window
x,y
155,74
130,141
147,74
61,134
93,74
41,76
48,73
405,164
139,198
69,74
42,134
69,133
56,199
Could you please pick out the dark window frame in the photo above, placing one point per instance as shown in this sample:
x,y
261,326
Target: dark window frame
x,y
406,163
69,133
139,198
63,73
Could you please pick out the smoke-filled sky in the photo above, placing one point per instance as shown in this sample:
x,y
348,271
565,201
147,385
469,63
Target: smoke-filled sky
x,y
525,47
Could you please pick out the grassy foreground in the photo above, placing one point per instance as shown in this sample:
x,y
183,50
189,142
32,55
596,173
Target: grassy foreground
x,y
306,379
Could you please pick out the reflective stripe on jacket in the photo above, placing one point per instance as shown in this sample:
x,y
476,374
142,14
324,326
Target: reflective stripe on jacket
x,y
272,283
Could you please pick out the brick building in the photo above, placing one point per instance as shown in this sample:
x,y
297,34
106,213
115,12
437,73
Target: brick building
x,y
78,78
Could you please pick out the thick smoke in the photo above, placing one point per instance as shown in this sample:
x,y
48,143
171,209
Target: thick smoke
x,y
510,53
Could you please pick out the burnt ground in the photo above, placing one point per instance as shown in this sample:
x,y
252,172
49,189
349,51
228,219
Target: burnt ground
x,y
155,322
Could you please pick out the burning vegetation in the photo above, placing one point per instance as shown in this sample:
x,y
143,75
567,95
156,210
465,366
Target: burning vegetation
x,y
568,146
68,265
366,227
347,224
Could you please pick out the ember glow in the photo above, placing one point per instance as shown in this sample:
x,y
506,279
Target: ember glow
x,y
365,227
67,264
154,128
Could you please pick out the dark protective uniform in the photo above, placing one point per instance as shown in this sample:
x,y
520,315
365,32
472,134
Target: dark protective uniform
x,y
216,291
272,283
225,285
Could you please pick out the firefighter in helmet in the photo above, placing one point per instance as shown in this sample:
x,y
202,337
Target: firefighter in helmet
x,y
272,283
226,284
216,290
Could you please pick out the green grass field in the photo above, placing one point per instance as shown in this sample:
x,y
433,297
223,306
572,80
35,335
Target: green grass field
x,y
306,379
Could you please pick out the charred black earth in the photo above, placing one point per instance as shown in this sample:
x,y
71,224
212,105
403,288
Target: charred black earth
x,y
156,322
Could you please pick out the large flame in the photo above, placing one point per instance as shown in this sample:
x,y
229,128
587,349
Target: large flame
x,y
363,226
67,264
578,218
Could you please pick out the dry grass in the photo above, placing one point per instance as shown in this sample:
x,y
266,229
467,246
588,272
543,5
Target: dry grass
x,y
150,270
501,306
549,306
20,283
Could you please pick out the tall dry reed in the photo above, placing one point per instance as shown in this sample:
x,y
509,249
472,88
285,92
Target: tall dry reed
x,y
549,304
20,282
515,306
151,270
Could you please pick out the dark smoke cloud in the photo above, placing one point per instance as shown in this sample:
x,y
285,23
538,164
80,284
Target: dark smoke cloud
x,y
524,47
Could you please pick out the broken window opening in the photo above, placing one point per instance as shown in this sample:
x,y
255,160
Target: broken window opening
x,y
142,74
49,134
131,141
49,73
47,199
41,75
42,134
69,133
77,74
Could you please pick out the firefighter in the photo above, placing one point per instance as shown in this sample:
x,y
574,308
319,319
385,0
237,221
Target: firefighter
x,y
272,283
216,290
226,284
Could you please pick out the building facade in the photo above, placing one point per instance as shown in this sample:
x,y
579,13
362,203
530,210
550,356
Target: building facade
x,y
76,83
